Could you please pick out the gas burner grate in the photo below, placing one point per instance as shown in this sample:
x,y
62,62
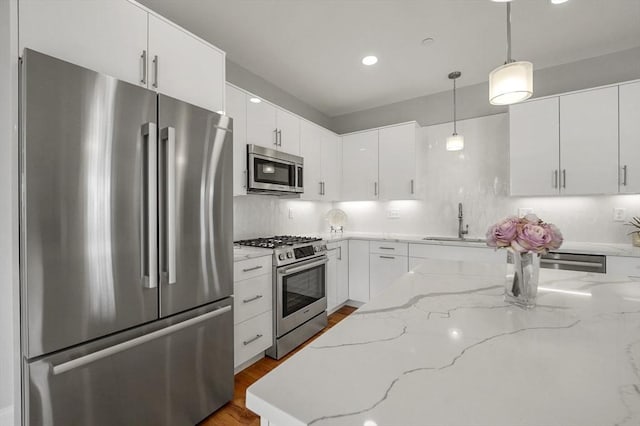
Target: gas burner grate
x,y
277,241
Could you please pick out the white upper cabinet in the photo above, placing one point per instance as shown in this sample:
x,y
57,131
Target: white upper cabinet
x,y
184,67
331,166
311,141
397,162
534,129
106,36
630,138
272,127
122,39
589,142
360,166
237,110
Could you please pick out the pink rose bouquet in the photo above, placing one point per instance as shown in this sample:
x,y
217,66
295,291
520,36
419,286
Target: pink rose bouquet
x,y
526,234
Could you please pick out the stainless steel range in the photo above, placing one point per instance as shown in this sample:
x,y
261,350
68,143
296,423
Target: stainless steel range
x,y
299,289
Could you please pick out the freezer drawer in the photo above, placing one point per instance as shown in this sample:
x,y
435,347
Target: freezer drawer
x,y
174,372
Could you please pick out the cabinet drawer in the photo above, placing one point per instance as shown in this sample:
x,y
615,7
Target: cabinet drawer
x,y
252,297
252,337
471,254
250,268
619,266
386,247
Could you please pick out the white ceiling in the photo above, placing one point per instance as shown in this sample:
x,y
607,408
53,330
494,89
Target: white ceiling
x,y
312,48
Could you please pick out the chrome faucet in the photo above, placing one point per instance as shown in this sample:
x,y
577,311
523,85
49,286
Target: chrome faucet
x,y
461,232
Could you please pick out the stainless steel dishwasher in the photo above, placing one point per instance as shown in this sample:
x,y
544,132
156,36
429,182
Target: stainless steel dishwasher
x,y
575,262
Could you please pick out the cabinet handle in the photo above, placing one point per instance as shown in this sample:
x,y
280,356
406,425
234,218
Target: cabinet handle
x,y
280,137
412,187
155,71
253,339
555,179
244,180
255,268
624,175
375,188
323,188
275,132
386,248
340,253
251,299
564,178
143,58
320,193
387,257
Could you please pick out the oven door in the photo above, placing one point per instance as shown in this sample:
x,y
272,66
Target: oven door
x,y
271,174
301,293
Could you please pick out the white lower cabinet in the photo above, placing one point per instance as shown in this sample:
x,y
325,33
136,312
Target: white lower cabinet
x,y
359,270
337,275
252,308
384,270
619,266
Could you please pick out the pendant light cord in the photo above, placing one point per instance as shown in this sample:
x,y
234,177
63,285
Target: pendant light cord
x,y
455,130
509,60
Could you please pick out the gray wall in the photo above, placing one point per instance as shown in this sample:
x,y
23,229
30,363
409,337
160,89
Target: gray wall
x,y
257,85
473,101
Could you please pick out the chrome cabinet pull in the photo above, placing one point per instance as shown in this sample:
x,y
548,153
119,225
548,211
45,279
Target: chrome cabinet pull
x,y
151,208
412,187
255,268
387,257
155,71
168,136
143,58
555,179
112,350
624,175
280,137
564,178
386,248
253,339
275,135
375,188
320,188
340,253
251,299
323,188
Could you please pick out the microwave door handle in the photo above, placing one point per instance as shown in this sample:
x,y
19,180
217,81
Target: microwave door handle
x,y
150,267
168,137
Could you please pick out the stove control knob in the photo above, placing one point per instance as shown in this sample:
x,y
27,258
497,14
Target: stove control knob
x,y
281,256
316,249
324,247
289,255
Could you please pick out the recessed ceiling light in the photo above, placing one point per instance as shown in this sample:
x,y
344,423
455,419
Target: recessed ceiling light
x,y
559,1
369,60
255,100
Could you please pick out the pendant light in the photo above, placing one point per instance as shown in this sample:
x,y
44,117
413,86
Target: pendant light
x,y
455,142
513,81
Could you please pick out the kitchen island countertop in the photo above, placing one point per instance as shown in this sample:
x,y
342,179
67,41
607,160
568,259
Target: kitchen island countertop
x,y
441,347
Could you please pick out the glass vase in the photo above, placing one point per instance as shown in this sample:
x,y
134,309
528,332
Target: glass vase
x,y
521,286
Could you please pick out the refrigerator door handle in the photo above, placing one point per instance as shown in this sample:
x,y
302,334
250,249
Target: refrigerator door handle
x,y
150,266
121,347
168,137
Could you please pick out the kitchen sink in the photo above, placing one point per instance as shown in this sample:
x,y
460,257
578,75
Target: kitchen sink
x,y
467,240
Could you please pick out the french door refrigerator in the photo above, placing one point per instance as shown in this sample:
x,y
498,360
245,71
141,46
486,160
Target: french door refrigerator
x,y
126,252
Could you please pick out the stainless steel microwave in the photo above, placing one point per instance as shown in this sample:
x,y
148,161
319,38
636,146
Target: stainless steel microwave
x,y
273,172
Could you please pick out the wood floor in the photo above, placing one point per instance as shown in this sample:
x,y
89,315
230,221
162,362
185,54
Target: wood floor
x,y
235,412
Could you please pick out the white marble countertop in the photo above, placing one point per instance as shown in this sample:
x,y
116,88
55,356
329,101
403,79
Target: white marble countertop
x,y
609,249
244,253
441,347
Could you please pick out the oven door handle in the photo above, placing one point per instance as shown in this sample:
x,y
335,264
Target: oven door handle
x,y
295,269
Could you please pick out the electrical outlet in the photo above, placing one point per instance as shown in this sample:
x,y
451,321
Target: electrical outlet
x,y
619,215
393,214
290,213
523,211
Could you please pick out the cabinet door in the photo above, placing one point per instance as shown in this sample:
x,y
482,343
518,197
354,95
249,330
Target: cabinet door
x,y
384,270
184,67
311,150
360,166
359,270
289,128
331,166
630,138
237,109
534,129
342,273
261,123
589,142
105,36
332,279
397,152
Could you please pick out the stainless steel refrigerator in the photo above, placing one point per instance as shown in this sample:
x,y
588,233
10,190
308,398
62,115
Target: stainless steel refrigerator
x,y
126,251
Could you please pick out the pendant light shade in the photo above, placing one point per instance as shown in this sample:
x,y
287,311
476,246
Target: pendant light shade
x,y
512,82
455,142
